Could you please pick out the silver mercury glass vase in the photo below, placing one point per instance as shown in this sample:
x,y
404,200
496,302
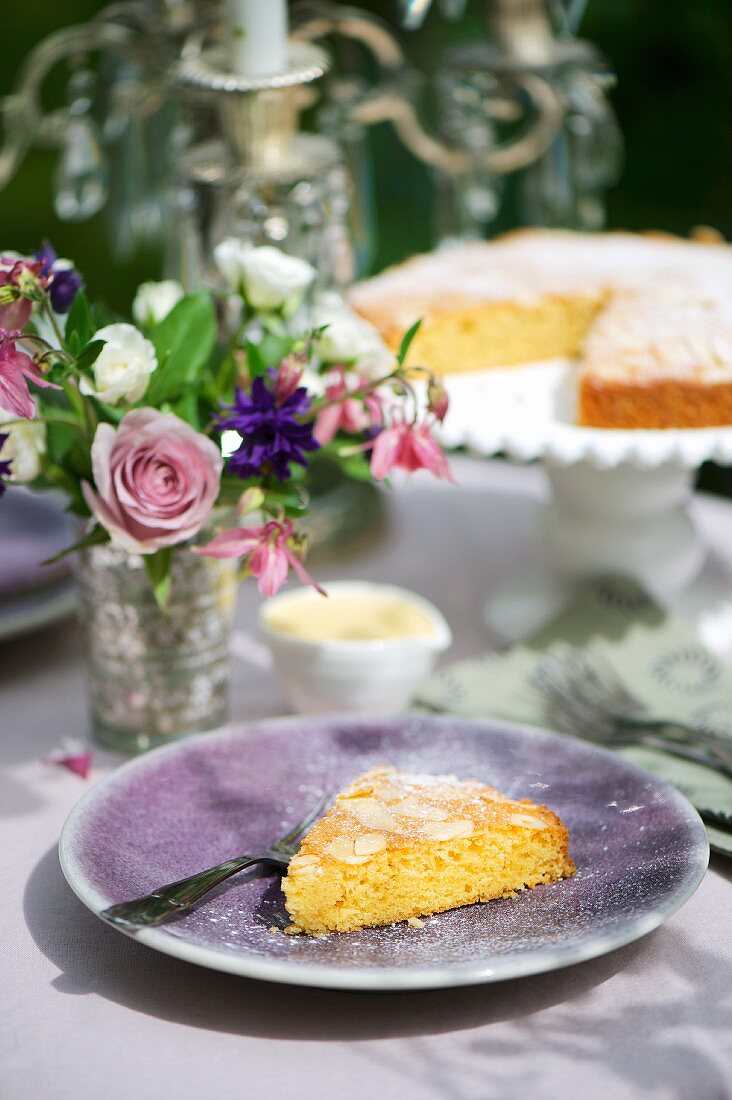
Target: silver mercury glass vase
x,y
155,675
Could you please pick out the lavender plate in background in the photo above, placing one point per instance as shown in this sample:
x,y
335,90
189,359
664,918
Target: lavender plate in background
x,y
640,849
32,595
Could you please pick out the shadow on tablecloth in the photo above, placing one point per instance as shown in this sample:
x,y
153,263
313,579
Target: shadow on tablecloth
x,y
95,959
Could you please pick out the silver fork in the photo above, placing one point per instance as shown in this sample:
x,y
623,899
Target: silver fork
x,y
175,897
586,698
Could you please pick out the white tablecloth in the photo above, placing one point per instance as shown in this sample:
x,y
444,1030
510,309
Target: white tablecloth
x,y
87,1013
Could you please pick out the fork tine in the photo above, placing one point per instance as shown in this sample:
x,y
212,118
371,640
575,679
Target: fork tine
x,y
606,676
595,683
557,678
289,838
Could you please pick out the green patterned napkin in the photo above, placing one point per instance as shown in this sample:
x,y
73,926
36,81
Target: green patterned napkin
x,y
656,655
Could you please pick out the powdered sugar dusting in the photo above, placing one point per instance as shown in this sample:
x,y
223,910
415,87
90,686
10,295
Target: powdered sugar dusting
x,y
524,267
186,808
662,332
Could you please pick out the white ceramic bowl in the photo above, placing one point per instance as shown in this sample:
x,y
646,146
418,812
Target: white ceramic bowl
x,y
321,677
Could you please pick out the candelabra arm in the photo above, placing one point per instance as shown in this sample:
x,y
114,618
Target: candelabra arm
x,y
314,19
392,105
391,99
23,119
384,105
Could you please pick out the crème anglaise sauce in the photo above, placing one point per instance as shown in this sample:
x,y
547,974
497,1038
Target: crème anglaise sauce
x,y
350,618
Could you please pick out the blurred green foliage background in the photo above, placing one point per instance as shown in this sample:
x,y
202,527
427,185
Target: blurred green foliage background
x,y
673,99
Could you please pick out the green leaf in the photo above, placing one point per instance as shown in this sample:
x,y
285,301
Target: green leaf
x,y
293,499
187,409
79,324
77,461
184,341
231,488
96,537
89,355
59,371
222,382
273,348
407,341
157,566
357,467
255,360
60,438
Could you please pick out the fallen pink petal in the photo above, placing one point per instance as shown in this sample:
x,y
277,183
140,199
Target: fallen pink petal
x,y
78,762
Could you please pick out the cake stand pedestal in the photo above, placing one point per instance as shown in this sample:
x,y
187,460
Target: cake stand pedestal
x,y
620,501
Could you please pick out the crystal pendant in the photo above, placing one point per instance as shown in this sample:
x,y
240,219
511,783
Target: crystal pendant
x,y
414,12
81,176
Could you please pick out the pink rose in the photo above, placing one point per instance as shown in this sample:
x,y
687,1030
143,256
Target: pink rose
x,y
156,479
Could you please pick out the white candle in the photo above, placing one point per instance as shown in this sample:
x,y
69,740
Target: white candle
x,y
256,34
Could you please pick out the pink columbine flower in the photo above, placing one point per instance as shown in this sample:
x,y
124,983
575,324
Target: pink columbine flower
x,y
287,378
26,280
408,447
157,480
346,414
16,370
437,400
269,552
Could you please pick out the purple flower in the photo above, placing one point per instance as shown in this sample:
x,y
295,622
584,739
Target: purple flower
x,y
48,256
5,470
272,434
65,282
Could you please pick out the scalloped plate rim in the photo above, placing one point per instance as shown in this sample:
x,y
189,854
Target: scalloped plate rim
x,y
566,443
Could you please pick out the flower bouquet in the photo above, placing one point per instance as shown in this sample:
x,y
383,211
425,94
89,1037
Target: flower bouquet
x,y
182,443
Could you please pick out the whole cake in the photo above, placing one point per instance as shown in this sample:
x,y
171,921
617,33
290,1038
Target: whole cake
x,y
542,294
396,846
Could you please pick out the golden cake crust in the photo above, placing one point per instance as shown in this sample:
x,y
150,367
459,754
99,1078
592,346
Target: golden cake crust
x,y
392,845
656,405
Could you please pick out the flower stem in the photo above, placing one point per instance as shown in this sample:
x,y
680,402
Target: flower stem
x,y
54,323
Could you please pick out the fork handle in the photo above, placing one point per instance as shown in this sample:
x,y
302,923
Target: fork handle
x,y
719,748
175,897
709,755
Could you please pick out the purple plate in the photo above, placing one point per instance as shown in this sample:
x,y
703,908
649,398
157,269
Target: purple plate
x,y
640,849
33,529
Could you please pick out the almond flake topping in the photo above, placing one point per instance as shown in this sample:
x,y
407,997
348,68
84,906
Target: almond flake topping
x,y
344,850
447,830
411,806
527,821
307,864
369,844
370,812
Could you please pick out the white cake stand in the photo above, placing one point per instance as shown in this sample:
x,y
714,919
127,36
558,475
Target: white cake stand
x,y
620,500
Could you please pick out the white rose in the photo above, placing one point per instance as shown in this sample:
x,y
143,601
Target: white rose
x,y
24,446
123,367
349,339
315,383
228,256
268,278
154,301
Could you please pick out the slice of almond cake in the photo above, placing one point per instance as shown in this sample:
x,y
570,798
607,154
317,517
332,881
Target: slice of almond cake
x,y
396,846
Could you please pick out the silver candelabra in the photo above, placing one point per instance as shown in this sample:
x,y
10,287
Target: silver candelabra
x,y
177,147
